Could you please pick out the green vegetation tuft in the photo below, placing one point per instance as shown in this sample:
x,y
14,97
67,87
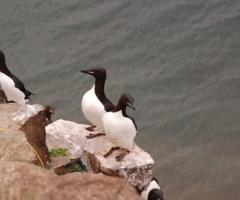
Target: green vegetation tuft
x,y
58,152
75,167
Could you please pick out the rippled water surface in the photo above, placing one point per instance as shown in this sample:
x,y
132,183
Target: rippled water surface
x,y
180,59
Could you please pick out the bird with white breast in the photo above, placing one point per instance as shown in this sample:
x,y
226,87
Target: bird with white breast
x,y
152,191
120,128
94,102
13,88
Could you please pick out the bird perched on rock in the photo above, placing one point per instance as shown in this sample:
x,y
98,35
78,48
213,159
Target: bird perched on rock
x,y
153,191
119,127
94,101
13,88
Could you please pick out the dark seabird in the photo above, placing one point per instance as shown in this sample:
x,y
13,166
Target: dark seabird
x,y
119,127
153,191
94,101
13,88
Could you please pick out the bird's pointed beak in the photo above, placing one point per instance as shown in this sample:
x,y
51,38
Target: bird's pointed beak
x,y
131,106
87,72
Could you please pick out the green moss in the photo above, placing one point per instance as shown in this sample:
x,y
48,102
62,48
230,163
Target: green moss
x,y
57,152
75,167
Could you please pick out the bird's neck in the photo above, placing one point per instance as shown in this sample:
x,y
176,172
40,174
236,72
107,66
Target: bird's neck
x,y
99,88
5,70
124,111
121,107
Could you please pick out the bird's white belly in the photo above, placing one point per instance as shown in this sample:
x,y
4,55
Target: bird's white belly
x,y
152,185
12,93
92,108
119,129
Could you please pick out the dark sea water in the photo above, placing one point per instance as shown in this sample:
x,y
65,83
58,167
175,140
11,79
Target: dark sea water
x,y
180,59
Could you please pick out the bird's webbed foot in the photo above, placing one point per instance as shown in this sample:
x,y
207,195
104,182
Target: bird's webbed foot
x,y
90,128
92,135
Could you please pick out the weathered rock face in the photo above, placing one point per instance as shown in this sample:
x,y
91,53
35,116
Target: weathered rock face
x,y
34,129
136,167
22,181
13,143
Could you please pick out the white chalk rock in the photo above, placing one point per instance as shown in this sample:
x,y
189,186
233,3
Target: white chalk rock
x,y
136,167
25,112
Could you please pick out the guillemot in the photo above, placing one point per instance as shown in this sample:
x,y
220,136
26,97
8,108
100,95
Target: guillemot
x,y
120,128
13,88
152,192
94,101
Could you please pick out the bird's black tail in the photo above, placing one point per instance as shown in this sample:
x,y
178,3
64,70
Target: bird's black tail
x,y
28,94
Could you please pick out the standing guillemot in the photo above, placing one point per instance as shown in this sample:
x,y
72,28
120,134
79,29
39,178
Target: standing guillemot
x,y
119,127
13,88
94,101
152,192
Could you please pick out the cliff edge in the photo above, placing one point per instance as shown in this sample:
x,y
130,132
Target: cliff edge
x,y
28,145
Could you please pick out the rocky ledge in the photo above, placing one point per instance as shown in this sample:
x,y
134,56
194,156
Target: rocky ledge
x,y
27,137
24,181
135,168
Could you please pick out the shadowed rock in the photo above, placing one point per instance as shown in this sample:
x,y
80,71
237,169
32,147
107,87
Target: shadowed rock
x,y
3,98
75,165
25,181
34,129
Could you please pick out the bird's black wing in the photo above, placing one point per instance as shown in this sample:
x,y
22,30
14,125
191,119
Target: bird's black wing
x,y
155,179
126,115
134,122
19,84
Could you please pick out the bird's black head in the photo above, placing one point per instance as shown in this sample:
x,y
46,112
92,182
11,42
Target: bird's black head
x,y
97,72
126,100
2,61
155,194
